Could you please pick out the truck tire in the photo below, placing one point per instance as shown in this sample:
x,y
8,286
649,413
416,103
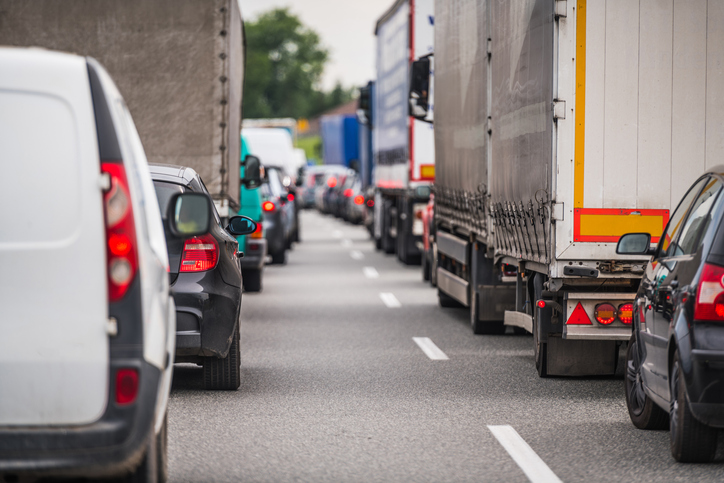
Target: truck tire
x,y
425,263
279,258
540,349
252,279
494,327
644,413
691,441
378,243
446,301
388,243
224,374
433,266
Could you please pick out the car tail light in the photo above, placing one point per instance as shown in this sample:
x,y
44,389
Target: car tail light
x,y
710,294
625,313
120,232
200,254
126,386
348,193
605,314
359,199
332,182
258,233
290,197
579,316
371,203
268,206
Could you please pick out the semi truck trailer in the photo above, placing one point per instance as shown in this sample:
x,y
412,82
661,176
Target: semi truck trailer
x,y
403,147
560,126
158,52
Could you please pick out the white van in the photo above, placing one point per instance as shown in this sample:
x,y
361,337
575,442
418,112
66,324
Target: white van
x,y
273,146
87,325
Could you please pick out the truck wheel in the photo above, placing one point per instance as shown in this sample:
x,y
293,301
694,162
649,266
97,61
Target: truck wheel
x,y
446,301
495,327
378,243
691,441
252,279
224,374
388,243
162,451
433,266
644,413
279,258
425,262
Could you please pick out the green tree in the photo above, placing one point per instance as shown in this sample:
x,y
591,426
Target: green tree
x,y
285,61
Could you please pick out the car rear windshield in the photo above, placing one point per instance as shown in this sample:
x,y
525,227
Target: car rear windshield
x,y
164,192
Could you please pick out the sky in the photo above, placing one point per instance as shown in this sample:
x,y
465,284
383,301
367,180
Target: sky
x,y
346,29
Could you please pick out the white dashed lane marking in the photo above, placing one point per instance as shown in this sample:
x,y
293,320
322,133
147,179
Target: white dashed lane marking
x,y
430,349
390,300
370,272
356,255
532,465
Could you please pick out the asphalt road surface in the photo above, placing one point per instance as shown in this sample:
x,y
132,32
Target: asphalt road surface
x,y
352,372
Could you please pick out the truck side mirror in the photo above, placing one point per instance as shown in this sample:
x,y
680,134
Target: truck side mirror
x,y
420,88
189,214
252,172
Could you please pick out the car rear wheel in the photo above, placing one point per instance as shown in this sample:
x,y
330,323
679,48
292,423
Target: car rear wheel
x,y
279,258
224,374
252,280
162,451
691,441
147,471
644,413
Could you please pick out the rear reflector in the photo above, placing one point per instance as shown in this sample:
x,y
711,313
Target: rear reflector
x,y
120,232
200,254
126,386
268,206
579,316
605,314
359,199
710,294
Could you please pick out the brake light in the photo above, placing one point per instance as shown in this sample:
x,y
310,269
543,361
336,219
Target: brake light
x,y
710,294
200,254
120,232
126,386
371,203
290,197
605,314
268,206
359,199
332,182
625,313
348,193
258,233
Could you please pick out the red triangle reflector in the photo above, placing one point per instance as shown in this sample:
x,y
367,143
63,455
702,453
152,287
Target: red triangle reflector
x,y
579,316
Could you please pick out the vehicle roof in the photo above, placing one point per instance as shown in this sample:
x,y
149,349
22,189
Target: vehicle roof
x,y
169,172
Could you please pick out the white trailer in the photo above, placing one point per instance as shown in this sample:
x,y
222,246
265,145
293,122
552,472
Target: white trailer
x,y
403,147
596,118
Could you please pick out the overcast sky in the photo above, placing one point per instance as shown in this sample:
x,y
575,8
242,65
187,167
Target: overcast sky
x,y
346,28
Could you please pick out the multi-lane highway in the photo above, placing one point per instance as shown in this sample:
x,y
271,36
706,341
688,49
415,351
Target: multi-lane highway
x,y
352,372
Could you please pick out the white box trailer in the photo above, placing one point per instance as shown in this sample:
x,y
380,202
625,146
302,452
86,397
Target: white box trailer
x,y
597,116
403,147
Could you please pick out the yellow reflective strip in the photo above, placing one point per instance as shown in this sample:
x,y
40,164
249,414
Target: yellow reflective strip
x,y
617,225
578,164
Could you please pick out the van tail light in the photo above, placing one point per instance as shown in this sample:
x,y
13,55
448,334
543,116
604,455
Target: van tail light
x,y
290,197
268,206
258,233
332,182
121,247
625,313
348,193
605,314
126,386
710,294
200,254
359,199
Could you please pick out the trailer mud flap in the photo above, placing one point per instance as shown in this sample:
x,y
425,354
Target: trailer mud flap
x,y
495,300
581,357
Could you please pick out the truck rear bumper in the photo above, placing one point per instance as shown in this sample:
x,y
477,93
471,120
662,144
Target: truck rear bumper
x,y
588,332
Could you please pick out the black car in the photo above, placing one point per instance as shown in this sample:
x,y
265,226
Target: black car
x,y
205,277
278,215
675,358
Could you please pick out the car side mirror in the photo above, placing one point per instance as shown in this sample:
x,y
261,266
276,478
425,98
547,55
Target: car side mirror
x,y
253,175
419,88
635,244
241,225
189,214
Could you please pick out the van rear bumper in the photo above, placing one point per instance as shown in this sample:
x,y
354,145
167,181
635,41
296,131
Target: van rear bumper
x,y
113,445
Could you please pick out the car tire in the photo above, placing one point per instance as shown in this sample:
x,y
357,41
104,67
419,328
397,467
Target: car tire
x,y
644,413
252,279
279,258
447,301
480,327
147,470
224,374
691,441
